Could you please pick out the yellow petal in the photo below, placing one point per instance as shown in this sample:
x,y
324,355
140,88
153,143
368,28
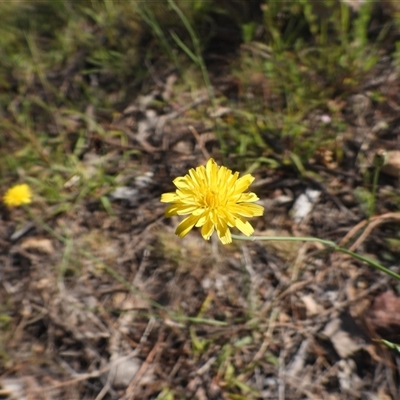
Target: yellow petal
x,y
171,210
201,176
226,238
228,216
207,229
247,197
243,183
244,227
223,231
232,180
246,210
204,217
186,225
184,209
181,183
198,177
256,209
168,197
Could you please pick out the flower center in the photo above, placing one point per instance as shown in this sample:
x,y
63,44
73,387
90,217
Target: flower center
x,y
211,199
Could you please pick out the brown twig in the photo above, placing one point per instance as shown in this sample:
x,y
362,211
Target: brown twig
x,y
373,223
196,135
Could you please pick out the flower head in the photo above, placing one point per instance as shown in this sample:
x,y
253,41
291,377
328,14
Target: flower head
x,y
18,195
215,199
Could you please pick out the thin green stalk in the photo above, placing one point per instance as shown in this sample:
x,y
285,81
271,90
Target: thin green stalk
x,y
371,210
197,58
379,162
147,15
327,243
46,227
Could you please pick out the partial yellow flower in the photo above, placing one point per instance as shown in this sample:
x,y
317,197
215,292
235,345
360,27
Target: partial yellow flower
x,y
216,199
18,195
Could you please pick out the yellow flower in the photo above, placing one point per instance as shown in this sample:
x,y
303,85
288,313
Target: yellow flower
x,y
17,195
216,199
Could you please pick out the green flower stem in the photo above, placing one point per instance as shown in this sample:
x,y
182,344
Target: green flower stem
x,y
372,205
45,226
327,243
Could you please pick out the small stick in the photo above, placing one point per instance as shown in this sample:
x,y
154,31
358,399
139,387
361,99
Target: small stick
x,y
196,135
